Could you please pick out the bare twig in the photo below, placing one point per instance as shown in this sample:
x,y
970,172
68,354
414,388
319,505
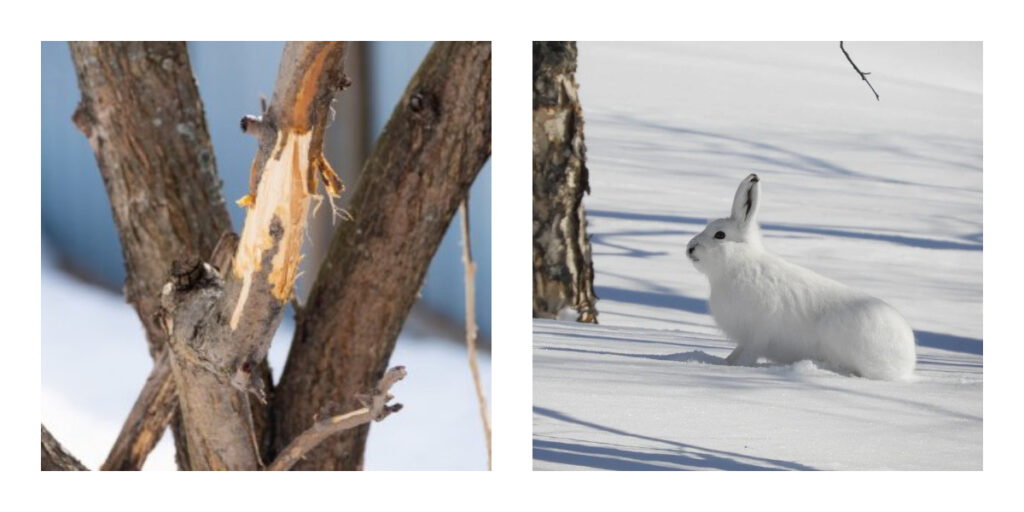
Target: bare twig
x,y
471,328
376,409
863,74
55,457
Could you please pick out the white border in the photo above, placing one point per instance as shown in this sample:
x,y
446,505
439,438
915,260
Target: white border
x,y
512,26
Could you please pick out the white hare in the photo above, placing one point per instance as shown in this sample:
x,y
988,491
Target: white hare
x,y
774,309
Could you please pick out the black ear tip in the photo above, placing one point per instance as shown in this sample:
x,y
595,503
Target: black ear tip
x,y
754,178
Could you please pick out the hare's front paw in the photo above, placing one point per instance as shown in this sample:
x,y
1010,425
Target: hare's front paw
x,y
743,355
734,357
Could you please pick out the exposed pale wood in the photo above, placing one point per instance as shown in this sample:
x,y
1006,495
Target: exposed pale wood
x,y
141,112
563,269
55,457
347,144
420,170
221,323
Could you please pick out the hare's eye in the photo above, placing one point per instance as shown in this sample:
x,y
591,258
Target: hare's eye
x,y
720,235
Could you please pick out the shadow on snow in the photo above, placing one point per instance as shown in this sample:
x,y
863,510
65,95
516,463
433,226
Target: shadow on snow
x,y
909,241
675,455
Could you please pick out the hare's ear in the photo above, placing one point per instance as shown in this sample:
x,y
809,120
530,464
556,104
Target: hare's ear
x,y
744,206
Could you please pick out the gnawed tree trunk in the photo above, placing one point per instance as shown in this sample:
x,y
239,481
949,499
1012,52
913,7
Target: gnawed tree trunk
x,y
424,162
55,457
141,112
563,270
220,323
213,320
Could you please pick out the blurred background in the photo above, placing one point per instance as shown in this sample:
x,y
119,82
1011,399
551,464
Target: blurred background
x,y
94,357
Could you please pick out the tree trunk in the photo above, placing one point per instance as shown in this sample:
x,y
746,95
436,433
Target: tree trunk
x,y
220,321
211,300
141,112
563,270
424,162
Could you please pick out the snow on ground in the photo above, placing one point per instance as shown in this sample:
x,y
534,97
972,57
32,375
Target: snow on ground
x,y
94,362
882,195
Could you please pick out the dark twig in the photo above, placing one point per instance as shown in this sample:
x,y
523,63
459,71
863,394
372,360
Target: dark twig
x,y
863,75
376,409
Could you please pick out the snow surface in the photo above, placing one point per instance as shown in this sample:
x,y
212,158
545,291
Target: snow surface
x,y
94,362
882,195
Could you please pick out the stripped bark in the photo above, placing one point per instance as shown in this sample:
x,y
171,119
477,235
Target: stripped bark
x,y
55,457
220,324
563,268
428,155
141,112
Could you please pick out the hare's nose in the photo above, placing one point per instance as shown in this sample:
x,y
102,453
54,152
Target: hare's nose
x,y
690,250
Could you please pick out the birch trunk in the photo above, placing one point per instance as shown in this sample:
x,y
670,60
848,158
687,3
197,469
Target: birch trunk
x,y
563,269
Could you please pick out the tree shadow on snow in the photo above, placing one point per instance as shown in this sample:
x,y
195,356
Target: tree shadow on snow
x,y
909,241
653,299
717,144
674,455
693,356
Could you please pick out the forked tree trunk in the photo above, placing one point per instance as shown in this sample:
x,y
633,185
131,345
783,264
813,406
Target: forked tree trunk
x,y
563,270
431,150
214,299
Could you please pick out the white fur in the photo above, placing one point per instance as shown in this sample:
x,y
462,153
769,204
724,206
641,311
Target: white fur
x,y
774,309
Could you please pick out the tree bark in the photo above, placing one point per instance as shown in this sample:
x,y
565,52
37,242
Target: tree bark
x,y
424,162
220,324
563,269
55,457
142,114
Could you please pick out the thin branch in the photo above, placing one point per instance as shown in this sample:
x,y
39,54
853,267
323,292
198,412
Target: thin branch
x,y
147,420
471,329
55,457
376,409
863,75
